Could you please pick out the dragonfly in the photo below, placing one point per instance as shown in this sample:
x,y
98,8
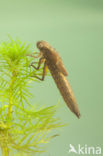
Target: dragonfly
x,y
52,61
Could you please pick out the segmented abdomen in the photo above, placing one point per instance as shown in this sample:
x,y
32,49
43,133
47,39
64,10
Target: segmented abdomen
x,y
65,89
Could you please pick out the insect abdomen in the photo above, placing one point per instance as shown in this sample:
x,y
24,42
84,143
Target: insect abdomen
x,y
65,90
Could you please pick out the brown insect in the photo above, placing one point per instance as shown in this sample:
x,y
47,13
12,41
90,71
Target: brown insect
x,y
54,63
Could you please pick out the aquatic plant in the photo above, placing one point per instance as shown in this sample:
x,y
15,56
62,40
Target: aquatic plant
x,y
24,127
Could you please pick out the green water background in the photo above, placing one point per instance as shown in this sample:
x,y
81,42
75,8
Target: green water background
x,y
75,29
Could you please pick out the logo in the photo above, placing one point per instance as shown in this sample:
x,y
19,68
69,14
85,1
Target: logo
x,y
87,150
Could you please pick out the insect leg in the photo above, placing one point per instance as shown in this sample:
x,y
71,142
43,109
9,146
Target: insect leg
x,y
41,60
31,55
44,72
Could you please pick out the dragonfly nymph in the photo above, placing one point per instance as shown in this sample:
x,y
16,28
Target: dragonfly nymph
x,y
51,59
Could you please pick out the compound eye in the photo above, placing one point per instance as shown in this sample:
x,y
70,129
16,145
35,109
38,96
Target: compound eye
x,y
40,45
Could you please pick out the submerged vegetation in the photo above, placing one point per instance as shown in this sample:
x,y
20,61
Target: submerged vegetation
x,y
24,128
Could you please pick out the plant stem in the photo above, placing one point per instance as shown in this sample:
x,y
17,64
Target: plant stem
x,y
5,151
13,78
